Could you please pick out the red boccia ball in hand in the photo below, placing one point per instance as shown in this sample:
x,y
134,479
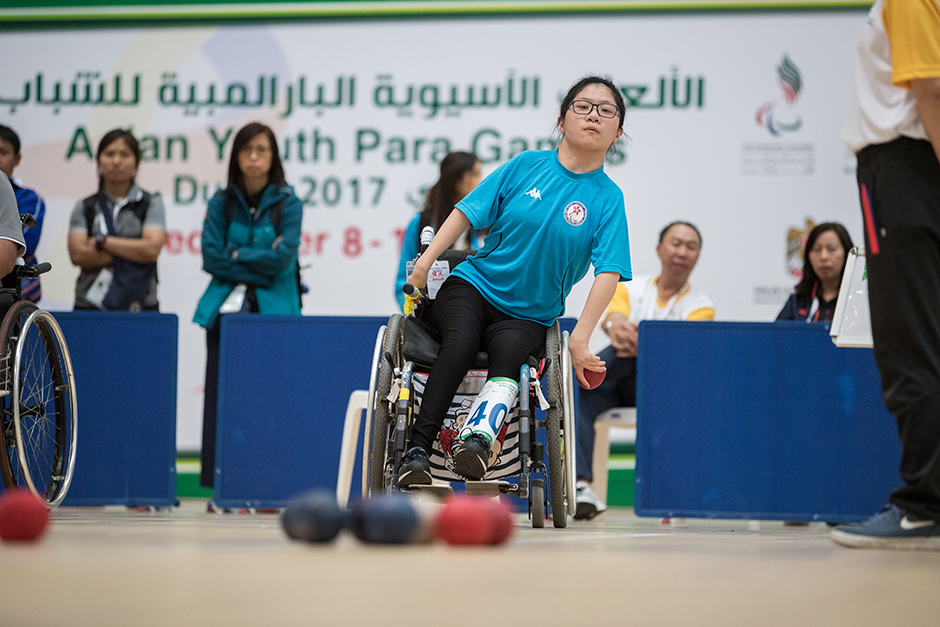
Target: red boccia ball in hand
x,y
23,517
593,379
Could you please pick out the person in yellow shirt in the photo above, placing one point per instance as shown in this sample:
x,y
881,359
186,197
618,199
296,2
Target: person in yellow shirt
x,y
894,130
667,296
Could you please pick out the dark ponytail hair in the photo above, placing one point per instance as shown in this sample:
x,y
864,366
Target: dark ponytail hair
x,y
441,198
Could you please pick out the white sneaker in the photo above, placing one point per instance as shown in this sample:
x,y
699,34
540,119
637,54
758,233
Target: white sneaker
x,y
589,504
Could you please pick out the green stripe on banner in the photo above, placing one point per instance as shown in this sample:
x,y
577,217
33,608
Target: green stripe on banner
x,y
146,10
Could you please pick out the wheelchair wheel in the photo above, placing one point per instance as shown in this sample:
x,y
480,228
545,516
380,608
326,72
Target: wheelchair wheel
x,y
39,418
383,426
538,504
568,425
553,427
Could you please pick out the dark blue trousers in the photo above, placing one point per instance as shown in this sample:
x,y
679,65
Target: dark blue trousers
x,y
617,390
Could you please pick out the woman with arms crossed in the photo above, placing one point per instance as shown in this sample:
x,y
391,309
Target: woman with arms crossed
x,y
116,234
250,243
550,214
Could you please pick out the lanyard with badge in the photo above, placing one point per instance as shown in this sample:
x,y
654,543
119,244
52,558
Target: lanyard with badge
x,y
648,309
102,283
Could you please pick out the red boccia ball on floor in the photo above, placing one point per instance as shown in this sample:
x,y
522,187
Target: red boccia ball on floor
x,y
23,517
465,521
501,516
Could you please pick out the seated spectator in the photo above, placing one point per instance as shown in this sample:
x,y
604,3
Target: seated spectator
x,y
116,234
814,297
27,201
668,296
460,173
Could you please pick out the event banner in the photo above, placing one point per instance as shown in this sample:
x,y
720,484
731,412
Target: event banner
x,y
733,123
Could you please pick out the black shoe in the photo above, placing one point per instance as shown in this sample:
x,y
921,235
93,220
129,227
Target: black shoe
x,y
471,456
415,468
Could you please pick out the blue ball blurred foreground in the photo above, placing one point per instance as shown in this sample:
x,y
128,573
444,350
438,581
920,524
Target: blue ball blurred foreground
x,y
384,520
313,516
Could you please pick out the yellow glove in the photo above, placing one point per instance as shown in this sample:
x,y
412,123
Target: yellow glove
x,y
412,296
410,304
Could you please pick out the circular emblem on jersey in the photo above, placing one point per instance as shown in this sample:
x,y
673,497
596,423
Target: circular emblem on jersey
x,y
575,213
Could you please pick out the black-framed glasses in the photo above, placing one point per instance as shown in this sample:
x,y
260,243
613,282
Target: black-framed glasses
x,y
258,150
604,109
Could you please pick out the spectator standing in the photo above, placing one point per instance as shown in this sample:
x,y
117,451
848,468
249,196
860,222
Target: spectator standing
x,y
250,243
116,234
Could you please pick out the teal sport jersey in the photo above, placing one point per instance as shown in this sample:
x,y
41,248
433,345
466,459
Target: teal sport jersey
x,y
547,225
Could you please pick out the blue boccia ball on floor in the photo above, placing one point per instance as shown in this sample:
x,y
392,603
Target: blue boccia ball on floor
x,y
384,520
313,516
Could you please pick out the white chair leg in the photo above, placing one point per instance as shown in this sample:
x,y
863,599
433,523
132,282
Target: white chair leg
x,y
601,455
358,401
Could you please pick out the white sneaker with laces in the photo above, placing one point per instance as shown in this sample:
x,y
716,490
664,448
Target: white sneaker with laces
x,y
589,504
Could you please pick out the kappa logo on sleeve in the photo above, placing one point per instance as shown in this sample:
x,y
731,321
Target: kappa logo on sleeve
x,y
575,213
534,193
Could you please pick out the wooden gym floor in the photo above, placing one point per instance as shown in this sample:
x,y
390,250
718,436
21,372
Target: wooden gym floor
x,y
113,566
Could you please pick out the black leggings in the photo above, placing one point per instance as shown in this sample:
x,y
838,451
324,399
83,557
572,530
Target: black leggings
x,y
467,323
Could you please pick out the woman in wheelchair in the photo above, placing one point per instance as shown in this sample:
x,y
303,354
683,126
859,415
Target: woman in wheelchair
x,y
550,215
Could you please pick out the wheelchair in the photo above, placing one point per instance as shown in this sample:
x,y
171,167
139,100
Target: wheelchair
x,y
405,351
38,406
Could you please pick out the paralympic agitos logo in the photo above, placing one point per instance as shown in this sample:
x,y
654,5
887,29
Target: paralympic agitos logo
x,y
777,116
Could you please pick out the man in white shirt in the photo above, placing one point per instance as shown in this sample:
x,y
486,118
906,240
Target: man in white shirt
x,y
668,296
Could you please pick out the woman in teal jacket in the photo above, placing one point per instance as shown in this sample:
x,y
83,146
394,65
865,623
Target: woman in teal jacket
x,y
250,239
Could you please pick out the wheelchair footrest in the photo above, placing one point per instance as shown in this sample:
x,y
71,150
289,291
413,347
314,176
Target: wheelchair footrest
x,y
436,489
489,488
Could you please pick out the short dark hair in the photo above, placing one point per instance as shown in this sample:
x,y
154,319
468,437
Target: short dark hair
x,y
575,89
662,234
805,286
109,138
245,135
8,135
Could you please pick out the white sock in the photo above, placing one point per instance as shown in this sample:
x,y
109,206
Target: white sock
x,y
489,410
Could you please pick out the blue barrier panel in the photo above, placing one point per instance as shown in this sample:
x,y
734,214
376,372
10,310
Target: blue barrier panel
x,y
760,421
284,382
125,378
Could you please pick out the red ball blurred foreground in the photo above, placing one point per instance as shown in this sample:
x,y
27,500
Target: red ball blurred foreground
x,y
467,521
501,514
23,517
593,379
